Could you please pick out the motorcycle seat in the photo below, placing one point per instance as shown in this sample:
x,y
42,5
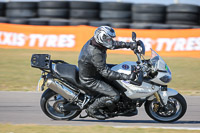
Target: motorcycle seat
x,y
68,72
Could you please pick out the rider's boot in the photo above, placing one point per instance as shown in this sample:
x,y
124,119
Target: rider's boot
x,y
93,109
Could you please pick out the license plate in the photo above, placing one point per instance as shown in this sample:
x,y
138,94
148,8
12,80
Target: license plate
x,y
40,83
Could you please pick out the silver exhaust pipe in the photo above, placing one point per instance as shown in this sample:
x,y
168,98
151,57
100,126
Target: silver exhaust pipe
x,y
62,90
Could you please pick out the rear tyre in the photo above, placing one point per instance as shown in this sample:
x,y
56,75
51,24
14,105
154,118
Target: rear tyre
x,y
176,108
51,104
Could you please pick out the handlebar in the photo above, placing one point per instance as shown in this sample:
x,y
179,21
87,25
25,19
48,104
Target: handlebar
x,y
141,44
139,58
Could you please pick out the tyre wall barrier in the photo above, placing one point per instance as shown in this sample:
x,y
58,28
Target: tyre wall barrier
x,y
167,42
115,14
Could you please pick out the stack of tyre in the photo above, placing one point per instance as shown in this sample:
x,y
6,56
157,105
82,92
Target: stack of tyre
x,y
2,13
146,16
19,12
182,15
115,14
2,9
81,12
51,10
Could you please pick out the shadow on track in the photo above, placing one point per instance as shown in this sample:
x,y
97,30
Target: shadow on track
x,y
119,121
139,121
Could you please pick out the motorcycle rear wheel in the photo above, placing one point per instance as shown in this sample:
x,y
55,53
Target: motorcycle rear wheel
x,y
51,102
176,105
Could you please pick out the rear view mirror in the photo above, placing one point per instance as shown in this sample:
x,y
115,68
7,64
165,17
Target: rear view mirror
x,y
133,36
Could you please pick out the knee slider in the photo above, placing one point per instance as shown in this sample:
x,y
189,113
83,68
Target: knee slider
x,y
115,98
109,103
111,106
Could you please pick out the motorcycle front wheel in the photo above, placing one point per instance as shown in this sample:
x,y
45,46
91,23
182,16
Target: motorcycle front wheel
x,y
174,110
52,104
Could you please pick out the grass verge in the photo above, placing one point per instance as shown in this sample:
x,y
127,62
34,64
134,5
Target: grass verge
x,y
8,128
16,73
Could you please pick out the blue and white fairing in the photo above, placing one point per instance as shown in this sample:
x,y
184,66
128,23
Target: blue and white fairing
x,y
162,77
158,64
134,91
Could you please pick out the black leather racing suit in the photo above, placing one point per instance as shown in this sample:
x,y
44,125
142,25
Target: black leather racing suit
x,y
92,67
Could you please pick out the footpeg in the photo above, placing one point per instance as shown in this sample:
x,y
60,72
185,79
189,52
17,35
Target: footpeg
x,y
87,115
80,116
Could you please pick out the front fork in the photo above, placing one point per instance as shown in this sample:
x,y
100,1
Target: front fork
x,y
162,97
157,97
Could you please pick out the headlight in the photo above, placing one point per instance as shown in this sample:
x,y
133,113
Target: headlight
x,y
166,79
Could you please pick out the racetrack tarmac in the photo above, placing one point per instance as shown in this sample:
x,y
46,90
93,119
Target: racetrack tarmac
x,y
24,108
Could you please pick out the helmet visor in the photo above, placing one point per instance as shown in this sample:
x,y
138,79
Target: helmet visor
x,y
107,41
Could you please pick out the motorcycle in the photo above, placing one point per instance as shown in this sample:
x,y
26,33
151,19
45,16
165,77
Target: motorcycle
x,y
66,98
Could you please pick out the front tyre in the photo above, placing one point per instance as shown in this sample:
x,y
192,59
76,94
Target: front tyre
x,y
52,103
174,110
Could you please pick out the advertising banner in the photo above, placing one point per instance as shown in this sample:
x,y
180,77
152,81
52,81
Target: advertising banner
x,y
167,42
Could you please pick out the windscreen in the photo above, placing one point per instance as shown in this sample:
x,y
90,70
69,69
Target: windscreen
x,y
158,63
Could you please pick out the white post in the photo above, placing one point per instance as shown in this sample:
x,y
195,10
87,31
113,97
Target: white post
x,y
176,1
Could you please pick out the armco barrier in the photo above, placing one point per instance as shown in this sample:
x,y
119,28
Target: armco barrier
x,y
180,43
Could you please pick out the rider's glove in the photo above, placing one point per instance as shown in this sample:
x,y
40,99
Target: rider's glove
x,y
139,48
137,73
133,45
132,76
136,45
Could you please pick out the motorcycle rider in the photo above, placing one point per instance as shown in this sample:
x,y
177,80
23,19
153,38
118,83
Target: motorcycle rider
x,y
92,67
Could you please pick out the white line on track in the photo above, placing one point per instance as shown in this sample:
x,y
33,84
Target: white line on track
x,y
175,128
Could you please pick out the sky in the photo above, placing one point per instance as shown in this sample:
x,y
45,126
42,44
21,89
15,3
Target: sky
x,y
165,2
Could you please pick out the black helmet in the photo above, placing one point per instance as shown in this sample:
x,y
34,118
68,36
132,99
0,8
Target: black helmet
x,y
104,35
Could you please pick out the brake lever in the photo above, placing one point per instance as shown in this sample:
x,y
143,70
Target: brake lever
x,y
133,68
139,79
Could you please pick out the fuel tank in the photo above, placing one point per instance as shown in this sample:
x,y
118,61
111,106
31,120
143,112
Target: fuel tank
x,y
134,91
